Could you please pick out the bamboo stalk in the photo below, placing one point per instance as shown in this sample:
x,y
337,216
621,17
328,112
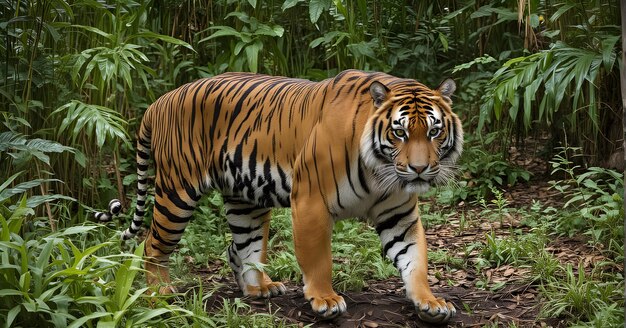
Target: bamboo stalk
x,y
53,224
118,175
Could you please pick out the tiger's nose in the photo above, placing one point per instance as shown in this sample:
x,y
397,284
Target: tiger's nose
x,y
418,168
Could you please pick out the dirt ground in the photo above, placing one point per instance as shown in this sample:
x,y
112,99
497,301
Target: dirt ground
x,y
383,304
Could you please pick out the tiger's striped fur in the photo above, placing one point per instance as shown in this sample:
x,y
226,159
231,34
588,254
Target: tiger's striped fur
x,y
357,145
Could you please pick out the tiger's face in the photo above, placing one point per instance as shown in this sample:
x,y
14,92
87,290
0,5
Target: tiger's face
x,y
413,139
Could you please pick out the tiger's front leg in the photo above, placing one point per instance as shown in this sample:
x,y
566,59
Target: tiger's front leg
x,y
404,242
312,229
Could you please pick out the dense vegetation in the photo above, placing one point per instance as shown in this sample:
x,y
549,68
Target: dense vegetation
x,y
76,76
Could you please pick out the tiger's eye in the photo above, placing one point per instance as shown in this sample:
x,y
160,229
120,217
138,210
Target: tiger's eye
x,y
434,132
399,133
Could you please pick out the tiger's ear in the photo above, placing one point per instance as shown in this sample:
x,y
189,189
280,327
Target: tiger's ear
x,y
379,93
447,88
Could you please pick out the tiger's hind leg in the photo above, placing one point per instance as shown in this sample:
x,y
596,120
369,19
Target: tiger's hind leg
x,y
250,229
172,211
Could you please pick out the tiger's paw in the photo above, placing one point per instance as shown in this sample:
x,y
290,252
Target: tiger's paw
x,y
329,306
167,290
266,290
435,310
161,290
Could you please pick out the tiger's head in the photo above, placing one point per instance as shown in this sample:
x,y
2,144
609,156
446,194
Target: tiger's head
x,y
412,138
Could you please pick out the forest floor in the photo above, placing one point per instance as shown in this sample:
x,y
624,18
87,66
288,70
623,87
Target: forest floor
x,y
490,296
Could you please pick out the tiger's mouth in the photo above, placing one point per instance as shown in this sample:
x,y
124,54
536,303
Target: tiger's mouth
x,y
418,185
388,178
415,184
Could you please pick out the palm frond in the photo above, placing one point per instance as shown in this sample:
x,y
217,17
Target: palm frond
x,y
93,121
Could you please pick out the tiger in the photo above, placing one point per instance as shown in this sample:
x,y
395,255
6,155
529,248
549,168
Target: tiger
x,y
359,145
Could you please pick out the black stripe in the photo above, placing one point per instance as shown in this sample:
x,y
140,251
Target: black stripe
x,y
347,155
168,230
247,243
243,230
242,96
191,192
389,245
403,251
174,197
160,250
392,221
362,177
332,165
317,175
143,155
240,211
391,209
158,237
169,215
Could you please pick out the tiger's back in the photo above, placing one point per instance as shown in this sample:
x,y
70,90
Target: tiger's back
x,y
239,133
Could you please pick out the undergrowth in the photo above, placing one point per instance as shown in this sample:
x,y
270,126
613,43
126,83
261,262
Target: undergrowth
x,y
83,276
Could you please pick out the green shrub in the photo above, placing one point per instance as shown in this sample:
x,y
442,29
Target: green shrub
x,y
73,277
596,196
481,172
583,297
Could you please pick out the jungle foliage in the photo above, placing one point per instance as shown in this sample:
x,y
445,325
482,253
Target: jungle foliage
x,y
76,76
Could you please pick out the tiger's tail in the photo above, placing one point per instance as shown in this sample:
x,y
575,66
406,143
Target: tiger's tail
x,y
144,137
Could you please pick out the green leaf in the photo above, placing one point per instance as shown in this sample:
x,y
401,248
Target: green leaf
x,y
252,55
22,187
85,117
34,201
164,38
133,298
238,47
129,179
81,321
25,279
316,7
95,30
13,313
110,324
125,276
279,31
609,52
75,230
148,315
10,292
8,181
80,158
316,42
252,3
444,41
289,4
221,31
561,10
